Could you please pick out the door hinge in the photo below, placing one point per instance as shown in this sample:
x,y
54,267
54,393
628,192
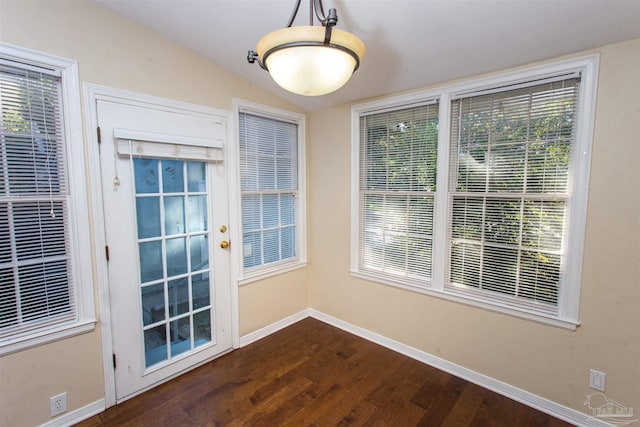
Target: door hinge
x,y
106,251
99,135
114,361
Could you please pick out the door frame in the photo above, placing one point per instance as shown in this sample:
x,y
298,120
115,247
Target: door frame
x,y
91,94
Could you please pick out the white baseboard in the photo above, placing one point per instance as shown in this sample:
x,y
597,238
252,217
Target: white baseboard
x,y
78,415
274,327
534,401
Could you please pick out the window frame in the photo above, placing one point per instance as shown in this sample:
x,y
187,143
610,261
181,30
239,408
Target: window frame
x,y
78,221
252,274
569,296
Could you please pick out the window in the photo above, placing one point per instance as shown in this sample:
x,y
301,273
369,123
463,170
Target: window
x,y
270,146
396,190
40,293
486,204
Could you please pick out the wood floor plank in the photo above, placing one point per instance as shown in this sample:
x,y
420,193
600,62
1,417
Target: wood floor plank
x,y
312,374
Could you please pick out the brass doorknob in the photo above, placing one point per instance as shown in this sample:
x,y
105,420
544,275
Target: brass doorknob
x,y
225,244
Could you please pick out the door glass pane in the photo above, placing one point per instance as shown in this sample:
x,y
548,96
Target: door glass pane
x,y
199,253
196,181
172,176
146,175
164,256
148,209
202,327
197,213
180,336
152,304
174,215
200,290
150,261
178,296
155,345
176,256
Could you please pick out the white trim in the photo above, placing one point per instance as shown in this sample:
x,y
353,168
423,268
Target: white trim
x,y
93,93
270,272
139,135
569,298
448,296
78,204
272,328
78,415
238,273
532,400
48,335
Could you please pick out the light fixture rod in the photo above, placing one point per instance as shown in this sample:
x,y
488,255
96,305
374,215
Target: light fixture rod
x,y
315,7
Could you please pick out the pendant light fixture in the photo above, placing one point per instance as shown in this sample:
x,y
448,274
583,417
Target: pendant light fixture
x,y
309,60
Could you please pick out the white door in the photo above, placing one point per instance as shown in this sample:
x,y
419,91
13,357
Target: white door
x,y
166,211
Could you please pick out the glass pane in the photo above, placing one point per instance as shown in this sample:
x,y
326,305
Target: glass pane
x,y
271,246
502,221
540,276
44,290
202,328
178,293
5,237
176,256
9,303
499,269
197,213
155,345
174,215
465,264
288,243
172,176
150,261
270,217
146,173
287,209
196,178
250,212
419,257
152,304
252,249
467,218
199,252
37,233
180,336
148,217
200,290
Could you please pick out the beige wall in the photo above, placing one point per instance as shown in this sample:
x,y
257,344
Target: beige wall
x,y
545,360
116,52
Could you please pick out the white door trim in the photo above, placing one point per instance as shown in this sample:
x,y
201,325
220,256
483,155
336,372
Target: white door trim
x,y
91,94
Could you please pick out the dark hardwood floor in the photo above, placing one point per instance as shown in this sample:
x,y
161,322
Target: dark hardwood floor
x,y
314,374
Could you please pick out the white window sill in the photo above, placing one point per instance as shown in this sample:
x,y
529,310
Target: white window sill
x,y
548,320
38,338
265,273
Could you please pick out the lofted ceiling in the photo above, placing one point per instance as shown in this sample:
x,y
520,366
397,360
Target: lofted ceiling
x,y
410,43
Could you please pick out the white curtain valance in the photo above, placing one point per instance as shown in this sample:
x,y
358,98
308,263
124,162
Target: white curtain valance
x,y
134,143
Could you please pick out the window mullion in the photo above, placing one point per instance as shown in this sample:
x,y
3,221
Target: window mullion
x,y
441,196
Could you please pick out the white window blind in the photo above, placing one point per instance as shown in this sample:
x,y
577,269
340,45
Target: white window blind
x,y
269,189
509,189
36,283
397,185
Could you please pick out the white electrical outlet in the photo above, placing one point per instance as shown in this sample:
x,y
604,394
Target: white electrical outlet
x,y
58,404
596,379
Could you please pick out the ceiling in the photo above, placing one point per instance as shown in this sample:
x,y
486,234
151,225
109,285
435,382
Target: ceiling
x,y
410,43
